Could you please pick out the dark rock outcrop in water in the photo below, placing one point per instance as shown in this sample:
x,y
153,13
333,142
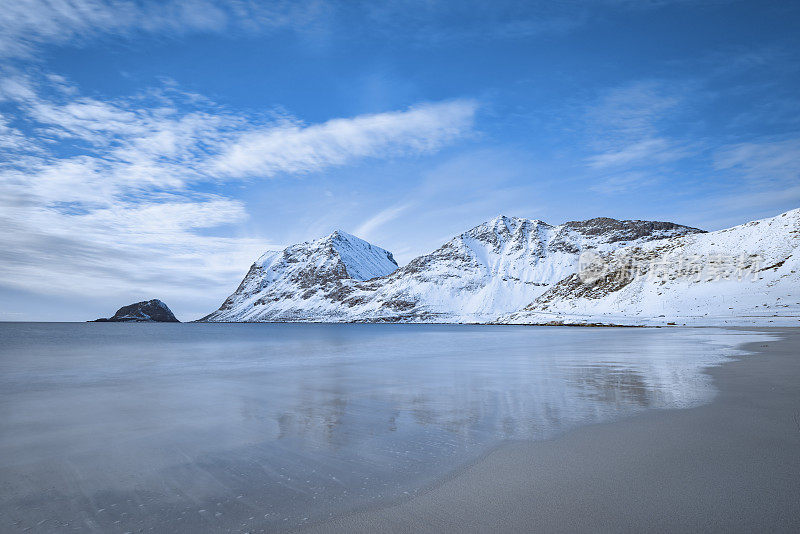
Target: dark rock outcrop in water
x,y
153,311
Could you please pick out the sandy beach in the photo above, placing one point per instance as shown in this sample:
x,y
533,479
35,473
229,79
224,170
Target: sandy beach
x,y
732,465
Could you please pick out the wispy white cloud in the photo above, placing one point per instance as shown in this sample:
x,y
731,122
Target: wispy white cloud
x,y
150,248
624,182
366,229
762,160
648,150
27,24
108,195
624,125
626,137
12,139
296,148
760,178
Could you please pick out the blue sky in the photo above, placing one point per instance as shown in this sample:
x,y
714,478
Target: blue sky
x,y
155,149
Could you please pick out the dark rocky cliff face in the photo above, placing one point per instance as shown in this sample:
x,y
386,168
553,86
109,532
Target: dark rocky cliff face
x,y
630,230
145,311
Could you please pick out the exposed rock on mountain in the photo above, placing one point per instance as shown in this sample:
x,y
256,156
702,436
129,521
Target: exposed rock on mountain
x,y
145,311
748,274
495,268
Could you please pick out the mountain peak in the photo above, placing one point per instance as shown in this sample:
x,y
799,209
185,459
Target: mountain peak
x,y
502,227
505,219
341,234
362,259
313,272
512,222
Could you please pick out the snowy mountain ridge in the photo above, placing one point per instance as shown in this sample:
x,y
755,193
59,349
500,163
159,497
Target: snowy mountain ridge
x,y
495,268
748,274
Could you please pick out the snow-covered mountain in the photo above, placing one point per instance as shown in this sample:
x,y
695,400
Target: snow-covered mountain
x,y
495,268
748,274
304,282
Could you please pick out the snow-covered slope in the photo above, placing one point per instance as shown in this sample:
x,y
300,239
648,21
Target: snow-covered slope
x,y
305,281
748,274
494,268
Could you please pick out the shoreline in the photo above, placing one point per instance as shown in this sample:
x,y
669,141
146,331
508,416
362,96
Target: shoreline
x,y
732,464
730,323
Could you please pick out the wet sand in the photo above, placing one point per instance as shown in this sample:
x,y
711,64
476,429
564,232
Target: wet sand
x,y
732,465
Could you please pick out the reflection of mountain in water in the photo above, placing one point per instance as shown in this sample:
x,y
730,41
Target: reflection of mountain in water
x,y
270,421
613,385
528,399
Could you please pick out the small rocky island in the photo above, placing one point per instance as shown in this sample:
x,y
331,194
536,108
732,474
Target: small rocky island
x,y
153,311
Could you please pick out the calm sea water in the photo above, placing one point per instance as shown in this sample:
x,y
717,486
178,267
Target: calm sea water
x,y
243,427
